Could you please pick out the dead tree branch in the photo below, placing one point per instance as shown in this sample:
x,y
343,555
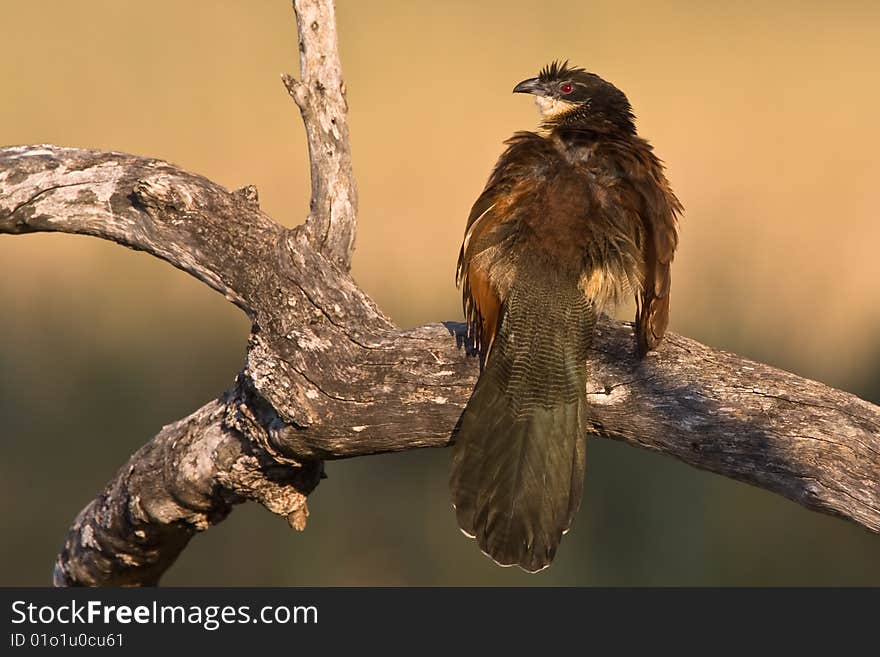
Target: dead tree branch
x,y
328,376
320,96
183,481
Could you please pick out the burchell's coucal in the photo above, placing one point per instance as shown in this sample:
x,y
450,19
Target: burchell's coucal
x,y
574,216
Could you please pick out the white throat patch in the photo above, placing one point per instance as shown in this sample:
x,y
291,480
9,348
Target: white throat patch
x,y
550,108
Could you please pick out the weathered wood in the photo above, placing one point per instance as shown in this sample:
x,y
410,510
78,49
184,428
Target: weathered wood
x,y
121,197
320,96
183,481
329,376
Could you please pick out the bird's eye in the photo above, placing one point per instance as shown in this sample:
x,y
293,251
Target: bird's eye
x,y
567,88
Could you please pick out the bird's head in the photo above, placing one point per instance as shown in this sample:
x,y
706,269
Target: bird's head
x,y
570,96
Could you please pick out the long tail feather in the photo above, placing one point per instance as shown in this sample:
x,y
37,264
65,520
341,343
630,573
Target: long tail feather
x,y
518,467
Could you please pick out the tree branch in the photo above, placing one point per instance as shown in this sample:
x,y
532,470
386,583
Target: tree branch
x,y
144,204
183,481
320,96
328,375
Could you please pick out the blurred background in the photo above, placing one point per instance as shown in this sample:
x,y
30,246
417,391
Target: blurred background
x,y
765,113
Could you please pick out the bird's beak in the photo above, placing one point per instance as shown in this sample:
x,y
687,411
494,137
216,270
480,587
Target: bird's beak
x,y
530,86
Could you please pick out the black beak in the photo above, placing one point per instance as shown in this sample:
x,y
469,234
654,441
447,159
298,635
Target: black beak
x,y
530,86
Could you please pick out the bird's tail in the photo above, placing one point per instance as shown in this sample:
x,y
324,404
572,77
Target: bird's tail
x,y
518,465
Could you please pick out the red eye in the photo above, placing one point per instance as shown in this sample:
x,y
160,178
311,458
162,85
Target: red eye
x,y
567,88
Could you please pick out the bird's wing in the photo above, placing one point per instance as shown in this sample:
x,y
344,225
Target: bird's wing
x,y
481,301
659,212
494,207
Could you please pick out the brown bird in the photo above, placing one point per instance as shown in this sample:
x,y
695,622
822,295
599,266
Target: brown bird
x,y
574,216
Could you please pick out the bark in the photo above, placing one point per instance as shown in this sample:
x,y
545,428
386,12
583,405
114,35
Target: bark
x,y
320,96
329,376
183,481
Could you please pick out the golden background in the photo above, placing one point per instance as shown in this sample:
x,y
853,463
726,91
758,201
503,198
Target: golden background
x,y
765,115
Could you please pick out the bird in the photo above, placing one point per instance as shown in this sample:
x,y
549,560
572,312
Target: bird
x,y
575,217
